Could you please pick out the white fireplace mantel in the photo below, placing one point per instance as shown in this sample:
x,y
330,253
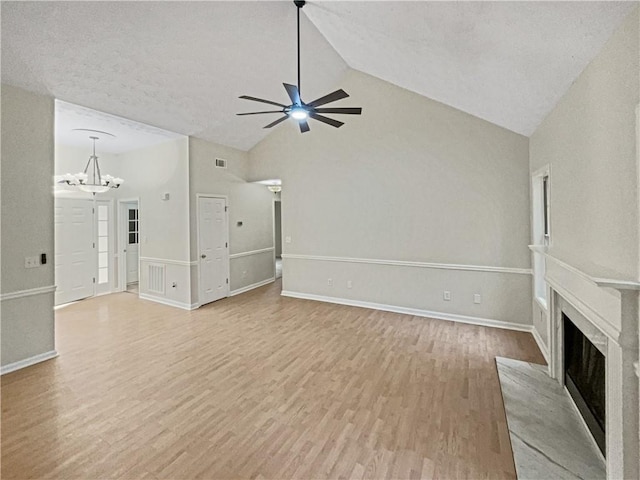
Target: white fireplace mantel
x,y
607,305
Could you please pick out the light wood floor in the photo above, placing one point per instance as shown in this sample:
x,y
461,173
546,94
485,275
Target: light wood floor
x,y
259,386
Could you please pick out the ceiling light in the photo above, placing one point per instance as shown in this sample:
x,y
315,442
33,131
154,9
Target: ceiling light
x,y
275,188
299,113
90,180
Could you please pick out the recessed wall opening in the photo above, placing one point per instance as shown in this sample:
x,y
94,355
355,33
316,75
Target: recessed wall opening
x,y
584,376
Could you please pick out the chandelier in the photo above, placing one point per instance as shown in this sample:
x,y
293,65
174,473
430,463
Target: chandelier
x,y
91,179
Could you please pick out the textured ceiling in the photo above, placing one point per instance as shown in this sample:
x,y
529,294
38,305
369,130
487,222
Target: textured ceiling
x,y
128,135
180,66
506,62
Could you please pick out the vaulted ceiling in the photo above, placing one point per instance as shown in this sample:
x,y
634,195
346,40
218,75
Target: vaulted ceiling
x,y
181,66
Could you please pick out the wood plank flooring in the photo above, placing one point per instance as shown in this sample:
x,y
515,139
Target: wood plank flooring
x,y
259,386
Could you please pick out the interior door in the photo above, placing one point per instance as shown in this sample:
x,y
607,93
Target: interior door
x,y
133,237
74,250
212,242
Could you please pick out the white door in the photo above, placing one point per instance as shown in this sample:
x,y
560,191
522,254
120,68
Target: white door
x,y
133,237
212,242
74,250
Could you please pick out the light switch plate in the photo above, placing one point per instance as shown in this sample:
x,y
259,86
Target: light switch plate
x,y
446,295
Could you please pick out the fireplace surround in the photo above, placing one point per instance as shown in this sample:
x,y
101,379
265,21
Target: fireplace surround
x,y
606,312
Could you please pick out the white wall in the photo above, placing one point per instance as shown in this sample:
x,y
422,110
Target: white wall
x,y
164,224
27,324
589,141
249,203
410,180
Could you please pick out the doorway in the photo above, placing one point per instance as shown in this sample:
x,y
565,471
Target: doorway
x,y
74,249
277,236
213,248
130,242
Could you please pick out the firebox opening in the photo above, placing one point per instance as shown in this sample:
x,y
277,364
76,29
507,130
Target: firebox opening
x,y
584,378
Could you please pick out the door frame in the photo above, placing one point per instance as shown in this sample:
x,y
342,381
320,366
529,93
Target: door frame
x,y
273,223
123,230
197,259
111,235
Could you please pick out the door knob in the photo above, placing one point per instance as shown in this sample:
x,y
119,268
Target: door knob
x,y
203,256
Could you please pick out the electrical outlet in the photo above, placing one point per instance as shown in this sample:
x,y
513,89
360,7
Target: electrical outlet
x,y
244,274
31,262
477,298
287,239
446,295
330,282
349,284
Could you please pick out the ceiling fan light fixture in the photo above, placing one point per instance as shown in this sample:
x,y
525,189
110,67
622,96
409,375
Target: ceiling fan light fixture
x,y
299,113
299,110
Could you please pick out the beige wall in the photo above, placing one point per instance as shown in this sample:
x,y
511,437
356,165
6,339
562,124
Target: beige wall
x,y
589,141
27,326
409,180
164,224
249,203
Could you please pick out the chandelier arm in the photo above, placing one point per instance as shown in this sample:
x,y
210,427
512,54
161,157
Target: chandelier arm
x,y
98,169
86,168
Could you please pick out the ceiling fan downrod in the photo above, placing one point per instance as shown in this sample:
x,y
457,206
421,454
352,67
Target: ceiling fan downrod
x,y
299,4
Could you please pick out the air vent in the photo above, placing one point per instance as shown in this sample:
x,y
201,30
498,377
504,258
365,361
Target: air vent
x,y
155,279
221,163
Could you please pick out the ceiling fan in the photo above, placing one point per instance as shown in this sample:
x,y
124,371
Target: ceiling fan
x,y
300,110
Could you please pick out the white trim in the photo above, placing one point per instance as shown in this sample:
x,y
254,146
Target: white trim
x,y
542,303
122,238
619,284
586,311
252,286
400,263
636,365
27,362
184,263
251,252
596,447
543,348
27,293
452,317
168,302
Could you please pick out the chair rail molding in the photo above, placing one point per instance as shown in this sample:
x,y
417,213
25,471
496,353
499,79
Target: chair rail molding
x,y
403,263
28,293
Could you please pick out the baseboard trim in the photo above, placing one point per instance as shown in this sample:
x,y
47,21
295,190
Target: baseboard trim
x,y
452,317
28,293
27,362
252,286
541,345
168,302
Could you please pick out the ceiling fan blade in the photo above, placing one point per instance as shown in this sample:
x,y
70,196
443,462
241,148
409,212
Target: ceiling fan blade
x,y
304,126
332,97
327,120
258,113
281,119
246,97
342,110
293,93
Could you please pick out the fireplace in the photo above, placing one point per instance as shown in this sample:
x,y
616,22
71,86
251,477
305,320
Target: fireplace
x,y
584,376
